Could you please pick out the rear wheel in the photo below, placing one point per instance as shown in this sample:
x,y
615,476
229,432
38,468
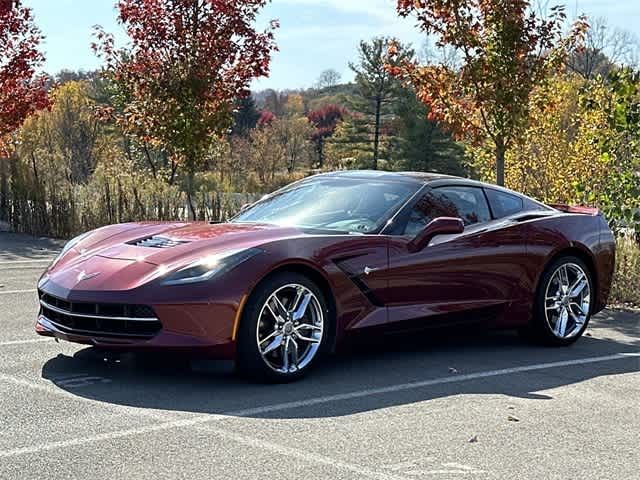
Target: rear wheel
x,y
284,329
563,302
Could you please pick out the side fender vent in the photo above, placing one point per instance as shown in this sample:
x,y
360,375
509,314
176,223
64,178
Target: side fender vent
x,y
358,281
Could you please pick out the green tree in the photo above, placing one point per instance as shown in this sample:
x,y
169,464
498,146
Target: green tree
x,y
377,88
245,115
419,143
619,145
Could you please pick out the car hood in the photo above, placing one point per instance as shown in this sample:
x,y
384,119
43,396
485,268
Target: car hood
x,y
165,245
138,251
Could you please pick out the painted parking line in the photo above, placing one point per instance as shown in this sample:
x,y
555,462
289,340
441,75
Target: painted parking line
x,y
50,389
205,419
13,292
427,383
33,260
305,455
22,267
25,341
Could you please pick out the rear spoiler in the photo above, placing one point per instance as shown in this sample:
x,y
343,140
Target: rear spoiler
x,y
576,209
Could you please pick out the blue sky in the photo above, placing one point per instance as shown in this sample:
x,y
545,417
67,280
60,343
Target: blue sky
x,y
314,34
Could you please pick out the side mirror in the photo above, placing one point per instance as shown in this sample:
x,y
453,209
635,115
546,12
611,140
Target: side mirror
x,y
437,226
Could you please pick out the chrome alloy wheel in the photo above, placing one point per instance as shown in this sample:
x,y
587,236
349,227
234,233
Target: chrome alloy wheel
x,y
290,328
567,300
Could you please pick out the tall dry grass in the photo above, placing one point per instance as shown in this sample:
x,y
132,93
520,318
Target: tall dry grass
x,y
626,283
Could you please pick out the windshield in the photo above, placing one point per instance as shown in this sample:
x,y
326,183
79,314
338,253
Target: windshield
x,y
333,204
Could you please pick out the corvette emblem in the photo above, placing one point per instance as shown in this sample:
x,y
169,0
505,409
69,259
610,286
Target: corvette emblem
x,y
86,276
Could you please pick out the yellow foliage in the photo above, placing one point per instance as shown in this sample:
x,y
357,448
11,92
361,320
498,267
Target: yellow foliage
x,y
558,155
64,142
295,105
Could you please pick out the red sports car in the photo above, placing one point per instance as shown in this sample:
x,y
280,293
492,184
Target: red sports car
x,y
293,275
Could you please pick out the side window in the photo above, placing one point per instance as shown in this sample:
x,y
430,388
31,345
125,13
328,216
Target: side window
x,y
466,203
504,204
530,205
469,202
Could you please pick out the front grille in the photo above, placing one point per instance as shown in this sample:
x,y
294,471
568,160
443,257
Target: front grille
x,y
101,319
156,242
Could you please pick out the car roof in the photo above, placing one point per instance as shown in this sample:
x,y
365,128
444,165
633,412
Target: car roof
x,y
420,178
411,177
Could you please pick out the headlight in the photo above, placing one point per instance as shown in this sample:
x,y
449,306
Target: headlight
x,y
69,245
209,267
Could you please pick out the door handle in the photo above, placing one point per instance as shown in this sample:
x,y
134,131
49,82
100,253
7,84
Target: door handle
x,y
369,270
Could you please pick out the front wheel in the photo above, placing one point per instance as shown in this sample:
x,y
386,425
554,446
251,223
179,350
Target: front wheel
x,y
563,302
284,329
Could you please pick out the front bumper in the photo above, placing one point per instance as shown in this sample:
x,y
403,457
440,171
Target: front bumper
x,y
199,328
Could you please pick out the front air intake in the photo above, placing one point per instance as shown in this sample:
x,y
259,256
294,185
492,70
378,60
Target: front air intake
x,y
112,320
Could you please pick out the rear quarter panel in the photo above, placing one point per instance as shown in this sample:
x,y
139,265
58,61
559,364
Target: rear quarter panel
x,y
587,236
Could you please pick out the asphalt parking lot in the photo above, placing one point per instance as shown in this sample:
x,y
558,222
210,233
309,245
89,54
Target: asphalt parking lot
x,y
467,406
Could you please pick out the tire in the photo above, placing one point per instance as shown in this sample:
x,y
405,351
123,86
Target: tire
x,y
275,343
560,316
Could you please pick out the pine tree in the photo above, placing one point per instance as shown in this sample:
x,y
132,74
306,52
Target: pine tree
x,y
377,88
420,144
246,116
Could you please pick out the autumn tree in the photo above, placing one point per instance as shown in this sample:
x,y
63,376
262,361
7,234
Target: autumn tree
x,y
22,91
592,129
561,132
294,134
187,62
295,105
66,139
267,153
325,120
506,50
58,151
350,145
377,87
266,118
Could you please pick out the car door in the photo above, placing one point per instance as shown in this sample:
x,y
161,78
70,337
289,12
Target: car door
x,y
472,276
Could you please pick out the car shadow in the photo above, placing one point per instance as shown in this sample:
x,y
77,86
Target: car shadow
x,y
374,370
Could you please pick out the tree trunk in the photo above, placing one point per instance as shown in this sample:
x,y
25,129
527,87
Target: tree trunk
x,y
320,149
4,189
376,135
500,154
147,155
192,209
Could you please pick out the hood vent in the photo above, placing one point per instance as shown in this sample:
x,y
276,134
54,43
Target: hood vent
x,y
156,242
